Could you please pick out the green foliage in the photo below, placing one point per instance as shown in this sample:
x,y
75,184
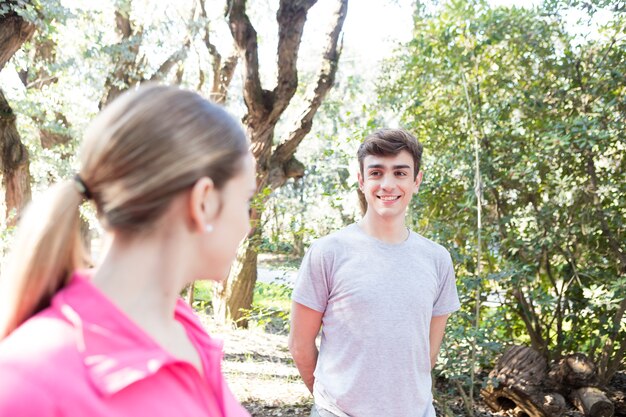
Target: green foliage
x,y
50,65
42,13
203,291
271,306
548,108
275,246
6,235
461,336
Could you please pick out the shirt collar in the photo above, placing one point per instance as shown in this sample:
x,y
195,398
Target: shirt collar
x,y
115,351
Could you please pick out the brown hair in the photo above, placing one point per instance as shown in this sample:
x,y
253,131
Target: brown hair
x,y
390,142
139,153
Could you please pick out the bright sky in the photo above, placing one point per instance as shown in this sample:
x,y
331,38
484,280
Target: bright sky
x,y
372,30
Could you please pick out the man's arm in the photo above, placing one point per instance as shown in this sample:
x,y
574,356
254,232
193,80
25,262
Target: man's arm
x,y
437,330
305,325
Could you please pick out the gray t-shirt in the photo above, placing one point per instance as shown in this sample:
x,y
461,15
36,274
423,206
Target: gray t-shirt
x,y
378,300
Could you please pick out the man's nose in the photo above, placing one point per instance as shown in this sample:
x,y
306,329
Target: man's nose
x,y
388,182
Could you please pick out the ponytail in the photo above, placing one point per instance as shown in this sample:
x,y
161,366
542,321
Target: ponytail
x,y
138,154
45,252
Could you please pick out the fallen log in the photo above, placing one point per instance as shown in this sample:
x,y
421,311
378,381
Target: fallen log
x,y
592,402
522,385
572,372
516,384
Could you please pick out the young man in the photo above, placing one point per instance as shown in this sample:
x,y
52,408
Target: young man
x,y
382,293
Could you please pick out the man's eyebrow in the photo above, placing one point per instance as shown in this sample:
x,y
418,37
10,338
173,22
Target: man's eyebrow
x,y
381,166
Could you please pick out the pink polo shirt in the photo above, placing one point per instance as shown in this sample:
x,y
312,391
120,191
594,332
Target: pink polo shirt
x,y
83,357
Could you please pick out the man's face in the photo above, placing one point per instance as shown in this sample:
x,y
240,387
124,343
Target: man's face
x,y
388,183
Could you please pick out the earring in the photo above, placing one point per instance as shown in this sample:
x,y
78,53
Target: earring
x,y
208,228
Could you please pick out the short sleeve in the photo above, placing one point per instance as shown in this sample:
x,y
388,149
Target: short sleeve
x,y
447,300
21,397
312,284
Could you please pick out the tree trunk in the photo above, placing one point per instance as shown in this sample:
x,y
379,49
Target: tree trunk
x,y
15,164
275,164
191,289
14,31
232,298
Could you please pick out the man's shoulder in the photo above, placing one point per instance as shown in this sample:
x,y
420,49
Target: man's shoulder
x,y
334,239
430,245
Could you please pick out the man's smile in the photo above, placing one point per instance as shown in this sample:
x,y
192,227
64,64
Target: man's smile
x,y
388,197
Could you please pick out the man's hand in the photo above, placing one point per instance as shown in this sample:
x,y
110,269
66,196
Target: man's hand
x,y
305,325
437,330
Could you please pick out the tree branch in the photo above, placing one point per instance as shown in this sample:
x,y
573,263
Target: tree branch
x,y
172,60
528,316
291,17
222,74
14,31
126,68
245,38
217,58
225,77
326,77
180,54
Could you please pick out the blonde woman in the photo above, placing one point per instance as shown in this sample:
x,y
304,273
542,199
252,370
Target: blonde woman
x,y
171,177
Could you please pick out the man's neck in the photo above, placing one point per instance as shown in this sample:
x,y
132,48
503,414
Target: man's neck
x,y
392,230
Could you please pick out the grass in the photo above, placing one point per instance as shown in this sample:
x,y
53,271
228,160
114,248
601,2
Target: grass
x,y
281,262
272,295
203,291
270,307
266,295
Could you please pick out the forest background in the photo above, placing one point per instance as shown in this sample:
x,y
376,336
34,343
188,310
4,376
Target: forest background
x,y
521,111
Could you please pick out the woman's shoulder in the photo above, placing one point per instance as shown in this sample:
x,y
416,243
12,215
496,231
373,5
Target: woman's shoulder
x,y
36,359
22,395
41,349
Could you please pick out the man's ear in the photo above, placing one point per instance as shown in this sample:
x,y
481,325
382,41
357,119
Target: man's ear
x,y
418,182
203,204
359,177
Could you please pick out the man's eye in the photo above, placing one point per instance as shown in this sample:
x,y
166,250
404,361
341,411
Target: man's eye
x,y
401,174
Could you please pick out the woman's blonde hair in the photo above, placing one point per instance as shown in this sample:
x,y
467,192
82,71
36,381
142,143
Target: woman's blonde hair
x,y
141,151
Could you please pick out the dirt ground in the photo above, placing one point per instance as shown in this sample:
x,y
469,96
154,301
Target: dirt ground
x,y
262,376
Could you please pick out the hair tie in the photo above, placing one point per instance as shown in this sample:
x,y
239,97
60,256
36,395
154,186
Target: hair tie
x,y
82,187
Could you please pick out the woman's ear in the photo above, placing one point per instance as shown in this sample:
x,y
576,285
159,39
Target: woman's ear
x,y
203,205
